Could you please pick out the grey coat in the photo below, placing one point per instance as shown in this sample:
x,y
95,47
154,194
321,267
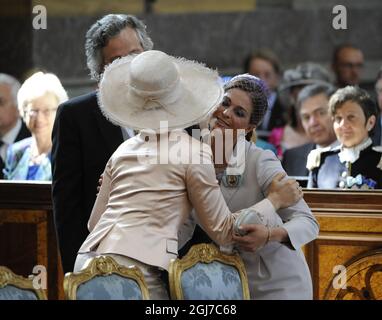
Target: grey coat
x,y
276,271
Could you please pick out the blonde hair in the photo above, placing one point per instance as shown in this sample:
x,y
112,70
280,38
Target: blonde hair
x,y
38,85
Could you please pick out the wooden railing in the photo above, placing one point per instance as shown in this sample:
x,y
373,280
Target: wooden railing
x,y
350,235
27,233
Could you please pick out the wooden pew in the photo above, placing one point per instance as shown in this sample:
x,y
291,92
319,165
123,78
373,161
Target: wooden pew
x,y
350,235
27,233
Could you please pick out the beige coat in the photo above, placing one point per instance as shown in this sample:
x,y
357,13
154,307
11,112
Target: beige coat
x,y
141,206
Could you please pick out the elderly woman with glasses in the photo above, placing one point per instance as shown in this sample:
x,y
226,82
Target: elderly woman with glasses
x,y
38,99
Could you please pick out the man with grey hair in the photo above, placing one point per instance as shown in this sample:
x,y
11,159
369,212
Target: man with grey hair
x,y
12,128
312,107
83,139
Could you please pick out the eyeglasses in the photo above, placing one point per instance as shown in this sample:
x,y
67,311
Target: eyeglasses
x,y
33,113
349,65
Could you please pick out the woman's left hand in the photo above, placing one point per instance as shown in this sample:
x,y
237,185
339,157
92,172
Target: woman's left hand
x,y
256,237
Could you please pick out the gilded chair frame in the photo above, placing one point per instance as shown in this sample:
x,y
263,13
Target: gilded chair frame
x,y
205,253
102,266
7,277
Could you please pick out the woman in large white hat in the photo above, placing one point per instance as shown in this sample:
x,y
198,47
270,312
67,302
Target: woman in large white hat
x,y
153,180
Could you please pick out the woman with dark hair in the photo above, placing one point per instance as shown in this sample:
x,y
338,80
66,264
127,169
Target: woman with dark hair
x,y
355,164
271,245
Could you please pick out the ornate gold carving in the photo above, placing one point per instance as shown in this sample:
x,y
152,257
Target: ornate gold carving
x,y
205,253
102,266
7,277
364,278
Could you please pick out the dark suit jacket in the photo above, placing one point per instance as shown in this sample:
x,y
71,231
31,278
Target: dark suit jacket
x,y
376,138
83,141
277,116
23,133
294,160
277,119
329,174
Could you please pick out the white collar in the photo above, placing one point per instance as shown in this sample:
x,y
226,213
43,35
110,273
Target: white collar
x,y
314,157
352,154
331,146
11,135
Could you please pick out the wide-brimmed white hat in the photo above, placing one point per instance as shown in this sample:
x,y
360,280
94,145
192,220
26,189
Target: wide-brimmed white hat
x,y
140,91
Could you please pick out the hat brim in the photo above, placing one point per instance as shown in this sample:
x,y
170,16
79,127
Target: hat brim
x,y
201,91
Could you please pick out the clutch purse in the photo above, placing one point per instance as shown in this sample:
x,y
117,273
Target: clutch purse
x,y
251,216
247,216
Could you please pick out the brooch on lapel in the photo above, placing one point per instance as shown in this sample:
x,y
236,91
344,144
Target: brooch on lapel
x,y
232,181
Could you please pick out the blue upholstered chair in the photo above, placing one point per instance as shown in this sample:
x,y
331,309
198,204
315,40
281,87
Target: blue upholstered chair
x,y
15,287
105,279
205,273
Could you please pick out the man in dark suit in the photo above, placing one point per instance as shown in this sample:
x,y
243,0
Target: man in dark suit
x,y
12,128
294,160
312,105
377,136
83,139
